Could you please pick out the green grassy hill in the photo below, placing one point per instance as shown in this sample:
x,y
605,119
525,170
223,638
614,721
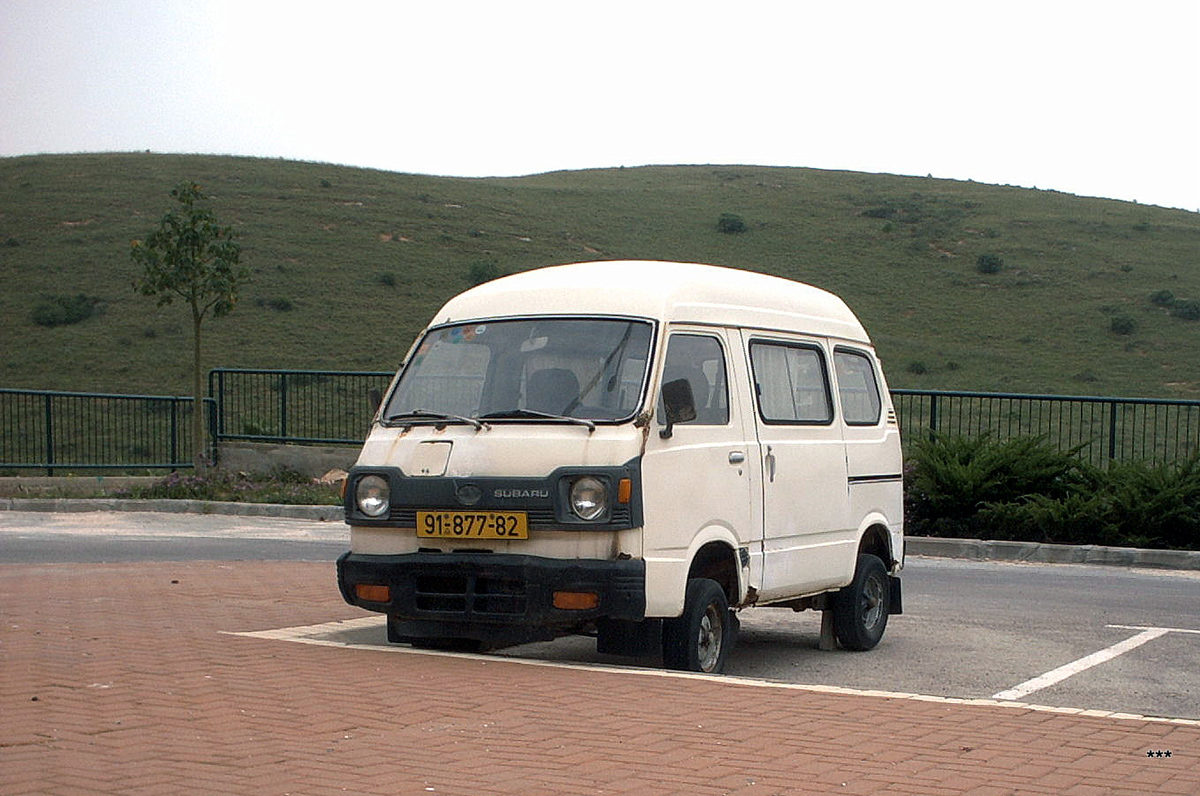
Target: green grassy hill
x,y
350,263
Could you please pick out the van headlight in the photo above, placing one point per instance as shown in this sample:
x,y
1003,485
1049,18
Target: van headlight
x,y
371,495
589,497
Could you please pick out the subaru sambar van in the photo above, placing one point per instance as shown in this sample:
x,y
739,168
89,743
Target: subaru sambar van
x,y
635,450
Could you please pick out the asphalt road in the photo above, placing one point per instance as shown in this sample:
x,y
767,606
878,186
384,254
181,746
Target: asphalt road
x,y
1109,638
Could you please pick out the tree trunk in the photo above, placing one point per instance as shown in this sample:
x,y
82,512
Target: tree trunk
x,y
199,459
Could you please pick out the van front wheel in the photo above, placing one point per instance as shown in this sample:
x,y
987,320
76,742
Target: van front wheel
x,y
699,640
860,610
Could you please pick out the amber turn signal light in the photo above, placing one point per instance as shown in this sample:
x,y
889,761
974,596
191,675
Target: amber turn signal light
x,y
624,490
576,600
373,593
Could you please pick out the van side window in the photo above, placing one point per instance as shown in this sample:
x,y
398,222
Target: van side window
x,y
791,383
700,360
857,387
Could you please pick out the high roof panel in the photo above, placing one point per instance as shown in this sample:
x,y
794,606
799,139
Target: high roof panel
x,y
667,291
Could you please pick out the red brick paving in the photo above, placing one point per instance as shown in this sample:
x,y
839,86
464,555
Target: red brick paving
x,y
118,679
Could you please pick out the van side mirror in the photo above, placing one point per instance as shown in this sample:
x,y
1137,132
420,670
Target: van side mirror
x,y
375,396
679,403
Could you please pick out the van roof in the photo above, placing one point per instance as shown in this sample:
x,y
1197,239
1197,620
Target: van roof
x,y
668,291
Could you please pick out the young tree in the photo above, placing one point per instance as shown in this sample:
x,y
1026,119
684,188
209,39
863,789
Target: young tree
x,y
193,258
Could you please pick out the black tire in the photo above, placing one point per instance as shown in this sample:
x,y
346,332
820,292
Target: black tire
x,y
860,610
700,639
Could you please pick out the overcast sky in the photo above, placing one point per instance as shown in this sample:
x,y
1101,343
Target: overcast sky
x,y
1096,98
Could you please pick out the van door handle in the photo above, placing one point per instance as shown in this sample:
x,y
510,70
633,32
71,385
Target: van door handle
x,y
770,457
736,457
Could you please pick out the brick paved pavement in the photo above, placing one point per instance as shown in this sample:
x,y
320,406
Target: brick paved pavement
x,y
118,679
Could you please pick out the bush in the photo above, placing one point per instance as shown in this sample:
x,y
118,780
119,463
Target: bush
x,y
64,310
1162,298
1023,489
886,211
386,278
731,224
952,477
483,271
277,304
1187,309
989,264
918,368
1122,324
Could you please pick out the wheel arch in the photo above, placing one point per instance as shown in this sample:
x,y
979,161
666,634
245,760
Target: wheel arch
x,y
717,560
876,539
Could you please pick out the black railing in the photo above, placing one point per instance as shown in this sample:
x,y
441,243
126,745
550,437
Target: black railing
x,y
64,431
1105,429
328,407
67,431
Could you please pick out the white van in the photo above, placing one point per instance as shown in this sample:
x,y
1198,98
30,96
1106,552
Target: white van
x,y
635,450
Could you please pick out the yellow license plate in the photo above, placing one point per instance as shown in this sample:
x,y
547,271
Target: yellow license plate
x,y
473,524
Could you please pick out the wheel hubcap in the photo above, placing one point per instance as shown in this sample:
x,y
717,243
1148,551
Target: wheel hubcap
x,y
708,647
872,602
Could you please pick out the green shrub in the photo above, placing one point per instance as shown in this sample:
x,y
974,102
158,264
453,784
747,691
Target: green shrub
x,y
885,211
277,304
1187,309
731,224
1023,489
1162,298
918,368
1122,324
64,310
989,264
483,271
1136,504
952,477
386,278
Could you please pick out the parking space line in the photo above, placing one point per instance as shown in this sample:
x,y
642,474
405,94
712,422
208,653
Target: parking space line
x,y
325,635
1168,629
1088,661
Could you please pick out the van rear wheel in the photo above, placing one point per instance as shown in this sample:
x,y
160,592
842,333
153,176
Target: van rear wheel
x,y
700,639
860,610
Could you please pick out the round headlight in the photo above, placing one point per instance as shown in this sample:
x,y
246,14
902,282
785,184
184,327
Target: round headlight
x,y
372,497
589,497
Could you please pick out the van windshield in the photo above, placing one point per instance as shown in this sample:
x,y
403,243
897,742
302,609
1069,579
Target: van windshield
x,y
591,369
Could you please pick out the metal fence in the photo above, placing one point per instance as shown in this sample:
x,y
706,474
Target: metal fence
x,y
68,431
65,431
312,406
1105,429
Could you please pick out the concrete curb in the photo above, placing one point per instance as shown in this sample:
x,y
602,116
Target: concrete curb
x,y
969,549
1034,552
323,513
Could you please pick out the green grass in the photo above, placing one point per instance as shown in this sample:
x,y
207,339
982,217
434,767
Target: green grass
x,y
349,264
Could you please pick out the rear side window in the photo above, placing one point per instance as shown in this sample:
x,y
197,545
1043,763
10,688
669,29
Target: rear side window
x,y
858,389
791,382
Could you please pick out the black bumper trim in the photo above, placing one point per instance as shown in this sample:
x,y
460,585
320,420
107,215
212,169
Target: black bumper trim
x,y
488,589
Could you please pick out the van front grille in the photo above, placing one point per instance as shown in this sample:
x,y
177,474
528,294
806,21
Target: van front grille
x,y
469,594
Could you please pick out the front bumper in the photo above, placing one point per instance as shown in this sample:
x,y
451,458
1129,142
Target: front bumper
x,y
487,595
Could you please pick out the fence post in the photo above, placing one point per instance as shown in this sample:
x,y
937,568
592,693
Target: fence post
x,y
1112,431
933,416
283,405
49,434
174,430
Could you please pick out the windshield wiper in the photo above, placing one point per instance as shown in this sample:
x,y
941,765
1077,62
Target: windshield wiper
x,y
422,414
533,413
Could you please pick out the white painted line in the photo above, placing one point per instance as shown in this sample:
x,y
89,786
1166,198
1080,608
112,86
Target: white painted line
x,y
1087,662
322,635
1168,629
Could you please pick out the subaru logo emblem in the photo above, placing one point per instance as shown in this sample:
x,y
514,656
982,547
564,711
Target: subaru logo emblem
x,y
468,494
